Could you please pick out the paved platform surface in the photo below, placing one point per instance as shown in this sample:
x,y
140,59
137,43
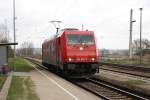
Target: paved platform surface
x,y
21,74
52,87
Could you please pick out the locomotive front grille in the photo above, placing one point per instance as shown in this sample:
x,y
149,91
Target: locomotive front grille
x,y
81,67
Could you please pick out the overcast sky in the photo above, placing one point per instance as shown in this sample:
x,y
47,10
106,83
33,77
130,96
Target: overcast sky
x,y
109,19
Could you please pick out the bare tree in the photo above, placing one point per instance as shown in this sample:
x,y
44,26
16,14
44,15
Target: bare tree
x,y
145,45
27,49
4,38
3,33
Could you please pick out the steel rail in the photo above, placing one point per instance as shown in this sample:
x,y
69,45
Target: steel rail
x,y
118,90
127,66
128,73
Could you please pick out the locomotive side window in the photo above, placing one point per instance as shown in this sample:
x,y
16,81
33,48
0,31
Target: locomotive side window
x,y
80,39
49,49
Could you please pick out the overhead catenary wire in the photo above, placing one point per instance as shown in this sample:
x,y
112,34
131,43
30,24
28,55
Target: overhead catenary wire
x,y
62,14
67,9
101,22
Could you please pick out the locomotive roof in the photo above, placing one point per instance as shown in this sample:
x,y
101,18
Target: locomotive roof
x,y
69,31
78,32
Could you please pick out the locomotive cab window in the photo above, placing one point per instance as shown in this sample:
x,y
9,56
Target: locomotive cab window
x,y
80,39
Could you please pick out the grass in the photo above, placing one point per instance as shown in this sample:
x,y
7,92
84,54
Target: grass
x,y
22,88
136,82
127,61
21,65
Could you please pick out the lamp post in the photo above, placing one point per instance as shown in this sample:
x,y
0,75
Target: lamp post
x,y
141,35
57,26
14,30
130,37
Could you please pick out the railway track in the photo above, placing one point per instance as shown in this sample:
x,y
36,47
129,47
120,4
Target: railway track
x,y
128,70
104,90
129,73
127,67
107,91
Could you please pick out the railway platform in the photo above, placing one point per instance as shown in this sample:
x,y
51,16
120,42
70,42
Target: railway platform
x,y
51,87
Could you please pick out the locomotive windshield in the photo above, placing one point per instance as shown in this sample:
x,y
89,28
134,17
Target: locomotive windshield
x,y
80,39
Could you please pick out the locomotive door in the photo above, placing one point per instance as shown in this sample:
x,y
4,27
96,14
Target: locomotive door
x,y
58,52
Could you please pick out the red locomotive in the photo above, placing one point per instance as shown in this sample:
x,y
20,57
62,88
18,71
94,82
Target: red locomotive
x,y
72,52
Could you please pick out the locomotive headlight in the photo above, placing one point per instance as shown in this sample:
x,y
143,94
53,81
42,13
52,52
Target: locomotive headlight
x,y
81,48
93,59
69,59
